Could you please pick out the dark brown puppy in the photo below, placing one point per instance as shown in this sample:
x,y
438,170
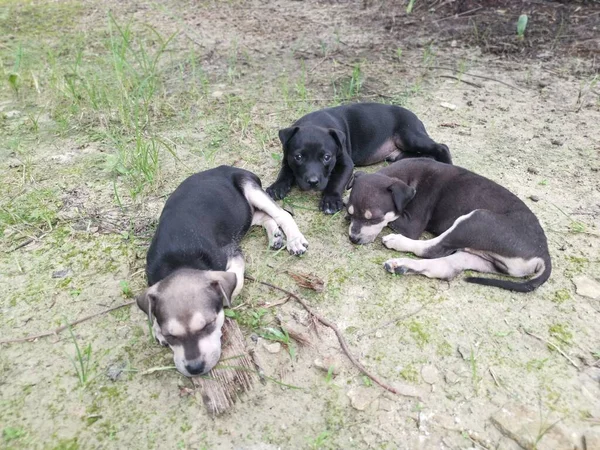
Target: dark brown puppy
x,y
479,224
321,149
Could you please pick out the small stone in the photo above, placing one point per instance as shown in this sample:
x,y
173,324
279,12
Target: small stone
x,y
326,364
217,94
464,352
447,105
542,84
532,170
385,404
556,142
429,374
523,426
451,378
378,334
361,397
62,273
275,347
115,371
534,198
587,287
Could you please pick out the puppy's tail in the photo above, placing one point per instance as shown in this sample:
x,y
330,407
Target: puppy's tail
x,y
539,278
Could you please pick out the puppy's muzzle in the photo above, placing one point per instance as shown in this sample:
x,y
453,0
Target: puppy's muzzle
x,y
312,182
195,367
355,239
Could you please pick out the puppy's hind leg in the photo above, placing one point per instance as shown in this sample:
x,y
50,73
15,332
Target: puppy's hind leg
x,y
237,265
296,243
444,268
274,233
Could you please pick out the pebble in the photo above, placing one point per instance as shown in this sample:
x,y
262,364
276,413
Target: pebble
x,y
451,377
327,363
534,198
447,105
429,374
275,347
532,170
556,142
62,273
361,397
587,287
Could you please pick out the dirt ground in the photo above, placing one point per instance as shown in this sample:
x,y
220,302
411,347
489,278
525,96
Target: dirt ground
x,y
105,107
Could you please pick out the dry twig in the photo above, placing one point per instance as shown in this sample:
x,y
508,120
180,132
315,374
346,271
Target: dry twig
x,y
335,329
64,327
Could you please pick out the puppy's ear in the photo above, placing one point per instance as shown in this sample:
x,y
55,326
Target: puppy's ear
x,y
402,194
286,134
146,301
339,138
224,283
354,176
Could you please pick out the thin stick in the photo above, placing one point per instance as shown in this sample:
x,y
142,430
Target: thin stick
x,y
553,346
390,322
470,83
64,327
483,77
335,329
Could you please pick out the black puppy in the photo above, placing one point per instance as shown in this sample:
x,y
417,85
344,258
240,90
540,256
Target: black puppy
x,y
479,224
195,266
321,149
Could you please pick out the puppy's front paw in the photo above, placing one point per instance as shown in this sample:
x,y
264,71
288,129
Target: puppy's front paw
x,y
277,240
297,245
394,241
331,203
399,266
277,191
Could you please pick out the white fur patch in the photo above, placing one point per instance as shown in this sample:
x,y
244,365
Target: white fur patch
x,y
197,322
351,209
175,328
237,265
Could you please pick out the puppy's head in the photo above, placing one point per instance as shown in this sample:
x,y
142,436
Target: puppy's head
x,y
312,152
375,201
186,312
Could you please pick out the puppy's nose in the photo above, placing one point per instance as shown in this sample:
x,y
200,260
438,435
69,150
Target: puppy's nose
x,y
195,368
354,239
312,181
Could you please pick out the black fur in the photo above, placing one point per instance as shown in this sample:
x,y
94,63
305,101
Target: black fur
x,y
321,149
202,223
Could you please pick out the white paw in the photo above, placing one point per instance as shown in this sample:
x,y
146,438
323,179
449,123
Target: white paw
x,y
394,241
297,244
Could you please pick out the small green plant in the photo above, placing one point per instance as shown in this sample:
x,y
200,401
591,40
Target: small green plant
x,y
280,335
366,381
81,361
319,441
561,296
126,289
399,53
410,373
12,433
410,6
522,26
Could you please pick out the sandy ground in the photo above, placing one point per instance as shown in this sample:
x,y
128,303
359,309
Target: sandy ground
x,y
471,375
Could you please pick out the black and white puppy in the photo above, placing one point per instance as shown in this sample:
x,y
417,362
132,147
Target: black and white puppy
x,y
479,224
194,265
321,149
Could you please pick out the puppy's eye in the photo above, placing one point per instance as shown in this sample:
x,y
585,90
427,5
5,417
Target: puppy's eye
x,y
326,158
298,157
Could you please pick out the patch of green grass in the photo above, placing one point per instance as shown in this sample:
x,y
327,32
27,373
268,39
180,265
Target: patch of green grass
x,y
561,296
349,88
561,332
280,335
419,333
12,433
410,373
320,441
535,364
33,210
